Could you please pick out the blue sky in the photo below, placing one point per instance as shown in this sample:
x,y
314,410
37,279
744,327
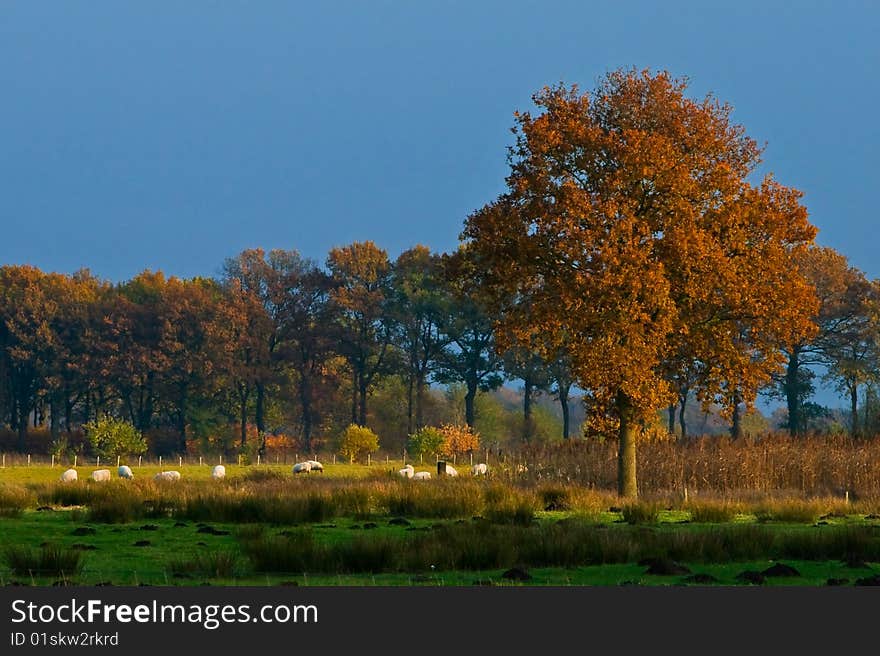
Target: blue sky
x,y
171,135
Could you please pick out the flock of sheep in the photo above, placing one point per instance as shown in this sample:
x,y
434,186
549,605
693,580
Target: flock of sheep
x,y
480,469
219,472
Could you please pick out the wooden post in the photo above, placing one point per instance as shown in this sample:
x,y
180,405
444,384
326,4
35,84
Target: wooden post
x,y
258,458
29,460
221,458
139,460
368,459
685,494
118,459
441,468
53,461
98,461
334,458
472,458
846,498
200,461
420,459
160,462
180,463
74,460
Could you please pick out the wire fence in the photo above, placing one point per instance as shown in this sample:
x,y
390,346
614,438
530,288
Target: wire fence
x,y
281,457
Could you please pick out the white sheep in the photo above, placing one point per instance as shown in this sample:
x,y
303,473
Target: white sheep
x,y
100,475
451,471
407,472
421,476
167,476
315,465
480,469
69,476
218,472
301,467
124,471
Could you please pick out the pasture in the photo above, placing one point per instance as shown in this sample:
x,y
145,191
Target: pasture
x,y
360,525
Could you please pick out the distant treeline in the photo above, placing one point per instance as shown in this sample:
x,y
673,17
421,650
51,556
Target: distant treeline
x,y
280,343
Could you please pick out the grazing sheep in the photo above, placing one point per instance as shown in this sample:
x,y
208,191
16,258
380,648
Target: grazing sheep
x,y
480,469
218,472
167,476
421,476
100,475
124,471
316,466
69,476
451,471
301,467
407,472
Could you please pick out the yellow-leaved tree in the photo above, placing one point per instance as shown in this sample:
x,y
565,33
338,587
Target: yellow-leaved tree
x,y
630,236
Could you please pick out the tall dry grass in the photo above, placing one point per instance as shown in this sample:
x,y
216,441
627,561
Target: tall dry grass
x,y
813,466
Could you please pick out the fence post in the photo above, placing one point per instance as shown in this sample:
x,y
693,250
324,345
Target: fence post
x,y
29,460
200,461
53,461
139,460
368,459
181,461
258,459
239,460
160,462
74,460
334,458
472,458
98,461
221,458
118,460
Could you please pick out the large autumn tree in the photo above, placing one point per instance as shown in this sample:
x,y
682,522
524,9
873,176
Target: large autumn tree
x,y
629,225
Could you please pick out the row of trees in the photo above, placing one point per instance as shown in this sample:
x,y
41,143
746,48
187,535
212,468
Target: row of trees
x,y
273,343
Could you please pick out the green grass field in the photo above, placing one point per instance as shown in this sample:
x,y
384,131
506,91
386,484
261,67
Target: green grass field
x,y
358,525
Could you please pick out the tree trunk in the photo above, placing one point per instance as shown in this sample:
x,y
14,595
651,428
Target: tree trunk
x,y
682,401
627,486
854,407
566,419
736,424
243,394
410,385
68,412
305,399
260,410
420,398
354,395
181,418
792,394
469,413
527,410
22,427
671,422
362,414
